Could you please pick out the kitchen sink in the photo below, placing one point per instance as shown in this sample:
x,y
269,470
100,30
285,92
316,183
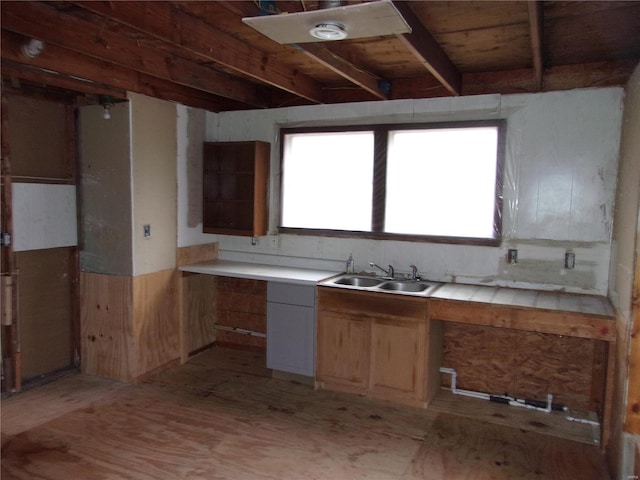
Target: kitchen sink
x,y
405,286
359,281
381,284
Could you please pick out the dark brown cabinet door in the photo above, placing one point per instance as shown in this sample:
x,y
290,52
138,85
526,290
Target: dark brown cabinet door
x,y
236,178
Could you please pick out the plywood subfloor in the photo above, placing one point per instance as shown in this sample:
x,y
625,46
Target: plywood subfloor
x,y
222,416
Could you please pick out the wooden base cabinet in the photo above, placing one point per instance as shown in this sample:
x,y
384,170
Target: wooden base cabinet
x,y
343,351
373,344
397,358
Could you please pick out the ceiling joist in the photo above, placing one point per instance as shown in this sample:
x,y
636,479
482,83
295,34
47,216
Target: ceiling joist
x,y
324,56
356,75
43,22
428,51
159,19
91,73
202,54
535,28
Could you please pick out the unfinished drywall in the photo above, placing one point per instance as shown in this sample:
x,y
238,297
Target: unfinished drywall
x,y
45,304
153,151
38,140
561,164
191,127
105,190
44,216
624,275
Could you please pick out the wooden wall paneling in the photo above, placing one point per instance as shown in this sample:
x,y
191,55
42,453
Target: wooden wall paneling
x,y
554,364
46,307
107,339
599,377
608,403
201,297
74,273
632,422
481,357
241,303
197,254
522,364
433,358
183,314
155,320
196,312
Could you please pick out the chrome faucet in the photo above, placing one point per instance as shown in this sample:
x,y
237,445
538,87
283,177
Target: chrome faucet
x,y
414,273
388,273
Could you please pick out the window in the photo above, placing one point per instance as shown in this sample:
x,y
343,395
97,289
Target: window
x,y
430,182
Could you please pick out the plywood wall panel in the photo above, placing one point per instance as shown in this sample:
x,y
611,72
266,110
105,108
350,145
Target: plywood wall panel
x,y
155,320
45,307
197,253
523,364
106,329
38,139
555,364
201,316
241,303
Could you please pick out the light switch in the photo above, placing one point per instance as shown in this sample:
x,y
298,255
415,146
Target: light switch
x,y
147,231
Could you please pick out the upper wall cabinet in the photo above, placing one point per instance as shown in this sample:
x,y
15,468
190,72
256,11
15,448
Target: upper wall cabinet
x,y
236,179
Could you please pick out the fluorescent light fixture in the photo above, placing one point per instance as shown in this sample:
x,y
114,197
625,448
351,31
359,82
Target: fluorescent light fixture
x,y
373,19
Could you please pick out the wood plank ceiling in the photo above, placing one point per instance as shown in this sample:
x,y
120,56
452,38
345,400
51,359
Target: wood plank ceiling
x,y
201,54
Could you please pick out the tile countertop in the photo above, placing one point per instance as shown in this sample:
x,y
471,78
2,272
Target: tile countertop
x,y
257,271
534,299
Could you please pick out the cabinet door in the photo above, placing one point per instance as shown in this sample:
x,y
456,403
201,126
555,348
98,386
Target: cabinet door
x,y
290,338
398,359
343,350
236,176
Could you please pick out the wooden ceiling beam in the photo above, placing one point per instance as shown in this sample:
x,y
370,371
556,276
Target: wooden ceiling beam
x,y
45,23
356,75
91,73
169,23
535,29
48,78
320,53
562,77
429,52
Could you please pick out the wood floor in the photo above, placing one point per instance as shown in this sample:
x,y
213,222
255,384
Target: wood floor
x,y
222,416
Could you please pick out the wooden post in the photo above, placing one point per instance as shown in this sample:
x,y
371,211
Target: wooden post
x,y
11,344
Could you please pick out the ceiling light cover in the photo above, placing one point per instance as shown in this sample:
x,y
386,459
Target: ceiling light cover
x,y
329,31
362,20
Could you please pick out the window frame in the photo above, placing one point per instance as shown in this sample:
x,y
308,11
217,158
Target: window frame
x,y
381,135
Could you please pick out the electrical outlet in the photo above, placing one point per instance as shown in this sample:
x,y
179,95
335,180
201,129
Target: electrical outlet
x,y
569,260
147,231
512,256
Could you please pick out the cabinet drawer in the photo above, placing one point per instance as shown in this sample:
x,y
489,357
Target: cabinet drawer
x,y
304,295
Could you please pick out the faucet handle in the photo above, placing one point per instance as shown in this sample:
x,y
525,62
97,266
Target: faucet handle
x,y
414,273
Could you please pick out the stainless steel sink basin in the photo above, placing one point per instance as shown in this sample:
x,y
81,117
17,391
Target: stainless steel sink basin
x,y
359,281
380,284
405,286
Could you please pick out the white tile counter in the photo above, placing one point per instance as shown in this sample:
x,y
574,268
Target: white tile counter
x,y
257,271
